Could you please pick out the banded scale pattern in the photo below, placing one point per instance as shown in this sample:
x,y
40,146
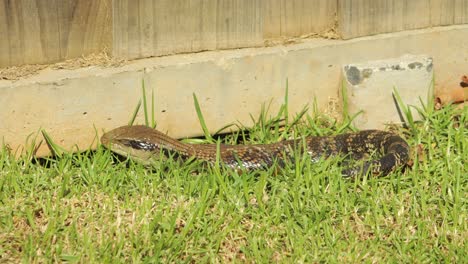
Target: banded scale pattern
x,y
144,144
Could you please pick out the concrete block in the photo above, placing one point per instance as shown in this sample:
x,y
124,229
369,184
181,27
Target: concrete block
x,y
370,88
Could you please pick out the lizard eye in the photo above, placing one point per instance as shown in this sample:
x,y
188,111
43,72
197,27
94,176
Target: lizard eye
x,y
140,145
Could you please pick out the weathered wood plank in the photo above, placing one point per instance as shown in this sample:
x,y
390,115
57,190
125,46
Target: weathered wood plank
x,y
286,18
50,31
53,30
367,17
180,26
461,12
145,28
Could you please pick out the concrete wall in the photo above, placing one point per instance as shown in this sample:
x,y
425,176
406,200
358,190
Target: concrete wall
x,y
230,85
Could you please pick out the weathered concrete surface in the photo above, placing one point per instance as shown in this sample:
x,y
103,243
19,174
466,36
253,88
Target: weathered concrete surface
x,y
230,85
370,87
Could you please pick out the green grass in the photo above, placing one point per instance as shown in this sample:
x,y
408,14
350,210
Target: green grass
x,y
90,207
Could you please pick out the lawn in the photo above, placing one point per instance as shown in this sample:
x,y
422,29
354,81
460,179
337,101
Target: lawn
x,y
94,207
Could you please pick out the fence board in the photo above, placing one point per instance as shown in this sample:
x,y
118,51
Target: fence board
x,y
286,18
151,28
461,12
195,25
53,30
367,17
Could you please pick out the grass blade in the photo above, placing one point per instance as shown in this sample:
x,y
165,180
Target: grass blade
x,y
145,104
153,120
286,103
53,147
201,119
408,119
135,113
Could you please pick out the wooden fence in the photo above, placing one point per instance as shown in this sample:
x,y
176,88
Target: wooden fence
x,y
47,31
